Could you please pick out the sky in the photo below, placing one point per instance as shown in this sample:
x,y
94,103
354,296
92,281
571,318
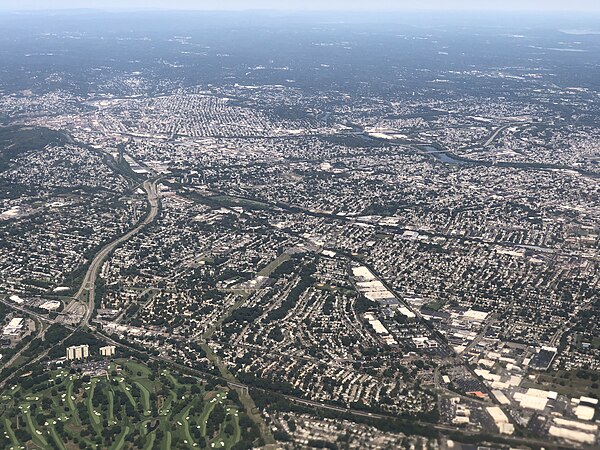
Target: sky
x,y
370,5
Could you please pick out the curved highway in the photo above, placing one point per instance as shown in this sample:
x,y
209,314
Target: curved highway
x,y
89,281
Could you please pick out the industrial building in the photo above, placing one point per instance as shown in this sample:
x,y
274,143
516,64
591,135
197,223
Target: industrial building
x,y
14,327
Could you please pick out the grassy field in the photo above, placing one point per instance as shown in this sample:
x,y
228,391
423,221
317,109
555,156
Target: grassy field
x,y
435,305
225,200
273,265
130,406
571,383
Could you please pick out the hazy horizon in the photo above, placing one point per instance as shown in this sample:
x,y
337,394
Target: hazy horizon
x,y
307,5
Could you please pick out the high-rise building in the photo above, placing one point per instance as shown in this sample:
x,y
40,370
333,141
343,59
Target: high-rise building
x,y
108,351
78,352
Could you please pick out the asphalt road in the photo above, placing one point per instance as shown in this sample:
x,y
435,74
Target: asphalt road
x,y
339,409
89,281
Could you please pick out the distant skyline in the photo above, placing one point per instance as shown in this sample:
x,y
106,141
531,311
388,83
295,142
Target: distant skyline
x,y
372,5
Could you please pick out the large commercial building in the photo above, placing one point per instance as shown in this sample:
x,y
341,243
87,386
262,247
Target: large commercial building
x,y
14,327
502,422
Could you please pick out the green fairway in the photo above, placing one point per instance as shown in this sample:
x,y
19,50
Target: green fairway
x,y
11,434
237,432
145,398
166,408
94,415
57,439
71,402
127,390
111,406
150,441
138,369
36,434
167,441
204,417
183,419
121,441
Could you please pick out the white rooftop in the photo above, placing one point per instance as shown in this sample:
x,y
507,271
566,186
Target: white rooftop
x,y
16,322
476,315
362,272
